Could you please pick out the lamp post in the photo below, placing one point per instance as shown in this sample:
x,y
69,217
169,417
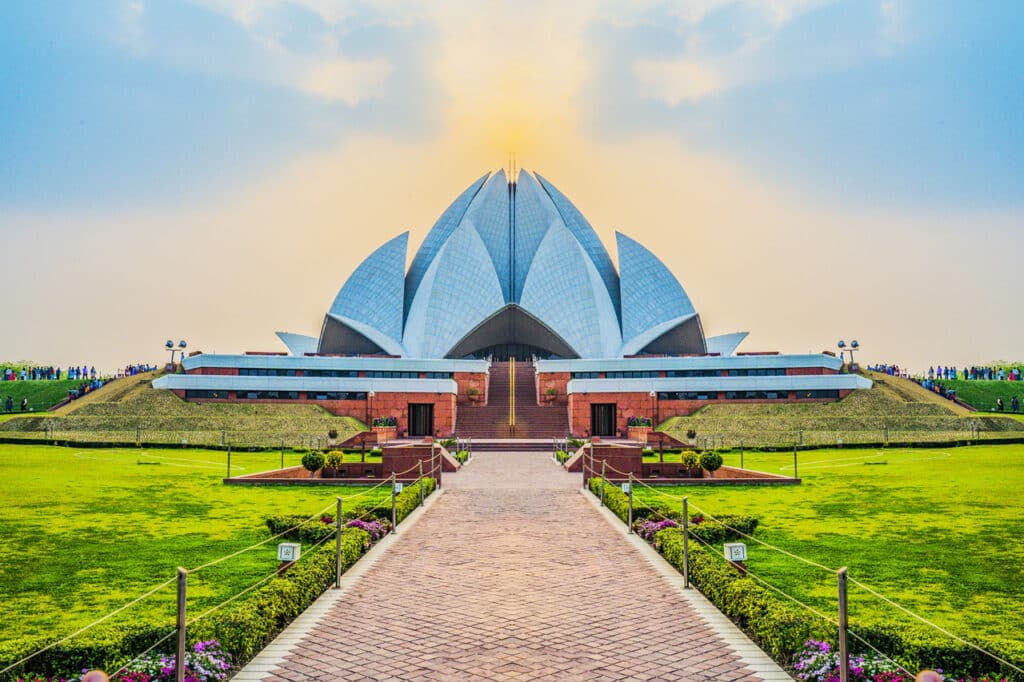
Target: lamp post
x,y
369,407
851,349
180,348
654,418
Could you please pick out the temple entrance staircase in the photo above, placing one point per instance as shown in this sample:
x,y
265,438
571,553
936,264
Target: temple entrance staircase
x,y
512,412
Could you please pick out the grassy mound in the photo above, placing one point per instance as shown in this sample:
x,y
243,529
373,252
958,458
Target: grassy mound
x,y
982,395
42,395
862,417
162,417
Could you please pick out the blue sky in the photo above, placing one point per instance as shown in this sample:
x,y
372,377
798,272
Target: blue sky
x,y
897,125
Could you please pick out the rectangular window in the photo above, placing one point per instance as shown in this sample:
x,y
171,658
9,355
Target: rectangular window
x,y
268,395
759,372
347,373
206,394
757,395
265,372
377,374
339,395
822,394
437,375
631,375
687,395
584,375
693,373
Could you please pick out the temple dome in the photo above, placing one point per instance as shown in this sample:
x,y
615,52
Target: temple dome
x,y
512,269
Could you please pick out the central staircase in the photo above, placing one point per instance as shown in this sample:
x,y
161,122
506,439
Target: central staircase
x,y
498,419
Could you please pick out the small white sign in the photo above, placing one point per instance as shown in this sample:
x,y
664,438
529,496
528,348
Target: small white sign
x,y
289,551
399,487
625,488
735,551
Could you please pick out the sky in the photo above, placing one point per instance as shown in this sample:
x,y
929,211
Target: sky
x,y
214,170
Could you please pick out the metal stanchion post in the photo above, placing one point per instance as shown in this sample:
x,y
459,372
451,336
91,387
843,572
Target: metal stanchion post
x,y
844,658
630,502
420,481
179,661
337,548
686,542
394,511
603,463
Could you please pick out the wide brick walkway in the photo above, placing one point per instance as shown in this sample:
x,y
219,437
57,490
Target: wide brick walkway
x,y
511,574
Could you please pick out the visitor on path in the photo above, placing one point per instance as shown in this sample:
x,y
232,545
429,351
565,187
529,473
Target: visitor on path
x,y
24,404
999,404
1015,404
9,405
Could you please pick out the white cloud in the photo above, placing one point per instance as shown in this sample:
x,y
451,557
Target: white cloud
x,y
676,82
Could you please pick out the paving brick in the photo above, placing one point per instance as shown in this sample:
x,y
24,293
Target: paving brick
x,y
511,574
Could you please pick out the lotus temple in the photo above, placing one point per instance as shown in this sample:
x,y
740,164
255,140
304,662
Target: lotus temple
x,y
512,320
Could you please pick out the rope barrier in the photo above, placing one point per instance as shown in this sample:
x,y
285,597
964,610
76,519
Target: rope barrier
x,y
90,625
872,647
160,641
941,629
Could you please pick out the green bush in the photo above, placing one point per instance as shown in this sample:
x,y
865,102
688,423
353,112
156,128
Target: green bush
x,y
333,460
781,628
691,460
462,456
561,456
313,462
711,462
246,628
242,628
409,498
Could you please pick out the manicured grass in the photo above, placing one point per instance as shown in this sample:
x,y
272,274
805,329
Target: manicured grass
x,y
982,395
84,531
162,417
42,395
865,416
937,530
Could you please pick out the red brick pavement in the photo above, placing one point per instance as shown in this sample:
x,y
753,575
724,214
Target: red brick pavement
x,y
511,575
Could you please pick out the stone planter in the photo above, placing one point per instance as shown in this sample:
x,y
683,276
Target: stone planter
x,y
639,433
385,433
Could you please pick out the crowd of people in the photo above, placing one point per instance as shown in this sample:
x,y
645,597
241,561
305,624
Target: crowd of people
x,y
975,373
891,370
87,376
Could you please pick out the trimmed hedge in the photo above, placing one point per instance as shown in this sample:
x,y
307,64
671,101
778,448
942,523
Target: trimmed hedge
x,y
781,628
709,531
312,530
242,628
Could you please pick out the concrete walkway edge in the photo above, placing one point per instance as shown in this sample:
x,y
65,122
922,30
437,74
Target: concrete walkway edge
x,y
751,654
274,653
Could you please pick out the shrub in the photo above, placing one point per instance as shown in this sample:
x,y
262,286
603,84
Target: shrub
x,y
313,462
472,391
385,421
333,460
409,498
462,456
242,628
561,456
575,443
551,391
711,462
638,421
691,460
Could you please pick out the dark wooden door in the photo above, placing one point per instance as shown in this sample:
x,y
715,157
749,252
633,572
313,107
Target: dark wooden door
x,y
602,419
421,419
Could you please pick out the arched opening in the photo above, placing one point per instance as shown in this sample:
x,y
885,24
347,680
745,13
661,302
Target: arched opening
x,y
512,333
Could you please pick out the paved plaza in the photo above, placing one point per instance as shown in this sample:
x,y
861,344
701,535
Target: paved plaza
x,y
512,574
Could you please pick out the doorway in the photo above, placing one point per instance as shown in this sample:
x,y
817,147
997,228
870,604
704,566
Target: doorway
x,y
602,419
421,419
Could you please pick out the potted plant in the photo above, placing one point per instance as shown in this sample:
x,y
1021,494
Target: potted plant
x,y
473,393
691,436
711,462
332,437
692,463
332,462
313,462
551,393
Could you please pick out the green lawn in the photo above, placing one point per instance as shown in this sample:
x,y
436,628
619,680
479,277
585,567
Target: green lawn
x,y
982,395
939,531
42,395
86,530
